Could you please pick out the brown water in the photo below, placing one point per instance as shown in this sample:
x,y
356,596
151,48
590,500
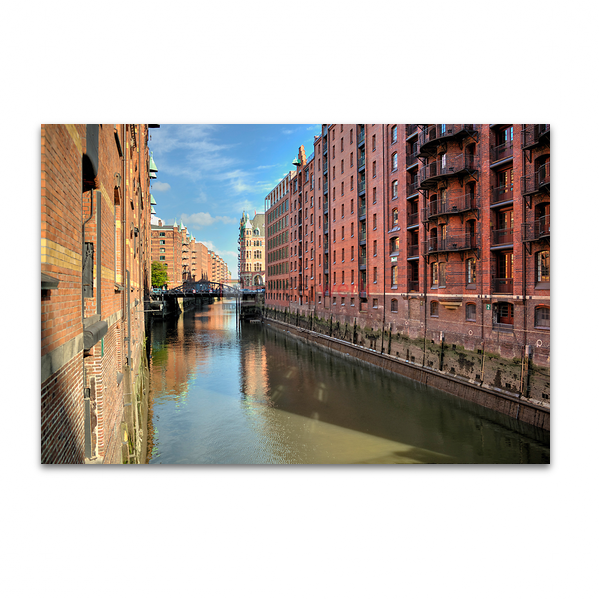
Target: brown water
x,y
225,393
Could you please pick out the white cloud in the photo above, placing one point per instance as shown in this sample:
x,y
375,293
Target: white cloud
x,y
205,219
160,186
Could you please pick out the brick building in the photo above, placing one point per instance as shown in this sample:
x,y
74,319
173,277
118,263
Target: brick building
x,y
95,263
276,211
436,233
252,252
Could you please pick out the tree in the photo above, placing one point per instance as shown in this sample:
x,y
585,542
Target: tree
x,y
159,274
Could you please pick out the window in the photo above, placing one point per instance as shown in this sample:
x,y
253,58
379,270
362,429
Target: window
x,y
373,143
442,274
162,257
543,267
394,189
394,217
375,302
471,271
374,248
471,312
394,245
374,274
394,281
435,309
393,305
542,317
374,169
374,221
393,134
162,242
394,162
162,234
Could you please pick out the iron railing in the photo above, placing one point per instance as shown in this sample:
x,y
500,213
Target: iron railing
x,y
536,230
502,236
503,151
449,205
452,166
533,134
503,193
453,243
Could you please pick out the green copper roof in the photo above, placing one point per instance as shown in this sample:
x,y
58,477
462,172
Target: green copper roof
x,y
153,168
153,211
152,200
296,161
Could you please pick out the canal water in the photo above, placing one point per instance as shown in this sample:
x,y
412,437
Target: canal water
x,y
230,393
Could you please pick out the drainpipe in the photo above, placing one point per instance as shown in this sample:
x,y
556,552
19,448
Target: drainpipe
x,y
86,390
384,248
523,251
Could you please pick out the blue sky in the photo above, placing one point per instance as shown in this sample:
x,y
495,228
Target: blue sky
x,y
209,174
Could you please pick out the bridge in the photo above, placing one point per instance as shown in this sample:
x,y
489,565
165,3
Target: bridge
x,y
201,288
249,302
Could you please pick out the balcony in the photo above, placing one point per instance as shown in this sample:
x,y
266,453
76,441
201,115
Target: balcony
x,y
412,219
413,251
458,242
413,285
362,186
362,210
412,188
325,165
411,129
503,285
534,135
440,169
504,194
430,137
538,182
451,205
362,162
325,146
502,152
412,159
325,206
362,236
361,137
536,230
502,237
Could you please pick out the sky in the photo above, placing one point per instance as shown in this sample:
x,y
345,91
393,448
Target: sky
x,y
209,174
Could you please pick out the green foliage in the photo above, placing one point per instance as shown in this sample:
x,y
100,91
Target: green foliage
x,y
159,274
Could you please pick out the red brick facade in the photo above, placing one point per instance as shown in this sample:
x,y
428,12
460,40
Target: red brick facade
x,y
95,266
423,231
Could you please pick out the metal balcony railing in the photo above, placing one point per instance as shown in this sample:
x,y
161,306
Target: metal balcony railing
x,y
430,136
412,188
412,219
503,193
411,129
411,159
503,285
413,250
534,134
454,243
536,230
362,186
452,165
502,152
539,181
361,161
502,236
451,205
361,136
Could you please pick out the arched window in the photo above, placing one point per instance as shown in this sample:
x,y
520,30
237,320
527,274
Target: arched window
x,y
394,161
394,189
393,134
542,317
394,217
393,305
434,274
434,308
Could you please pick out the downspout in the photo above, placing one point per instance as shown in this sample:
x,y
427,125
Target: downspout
x,y
384,248
527,350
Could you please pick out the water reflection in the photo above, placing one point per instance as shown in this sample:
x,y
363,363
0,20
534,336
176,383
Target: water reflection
x,y
225,394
